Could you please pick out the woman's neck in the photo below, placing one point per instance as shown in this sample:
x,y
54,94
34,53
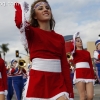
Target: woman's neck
x,y
79,48
45,26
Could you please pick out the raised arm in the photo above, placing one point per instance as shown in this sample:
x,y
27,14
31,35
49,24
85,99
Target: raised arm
x,y
18,15
21,22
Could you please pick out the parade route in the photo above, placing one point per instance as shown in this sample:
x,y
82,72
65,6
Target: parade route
x,y
96,93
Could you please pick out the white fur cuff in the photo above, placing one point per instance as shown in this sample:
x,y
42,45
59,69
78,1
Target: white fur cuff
x,y
71,99
5,92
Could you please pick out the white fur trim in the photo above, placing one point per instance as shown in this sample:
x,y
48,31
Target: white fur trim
x,y
53,98
84,80
97,43
82,65
74,37
0,75
52,65
23,39
24,24
33,98
76,80
95,54
5,92
2,92
71,99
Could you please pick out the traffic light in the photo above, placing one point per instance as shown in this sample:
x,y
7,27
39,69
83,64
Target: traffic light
x,y
17,53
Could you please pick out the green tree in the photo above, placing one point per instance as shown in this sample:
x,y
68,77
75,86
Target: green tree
x,y
4,48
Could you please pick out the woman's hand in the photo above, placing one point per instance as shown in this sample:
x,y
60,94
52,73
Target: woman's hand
x,y
18,15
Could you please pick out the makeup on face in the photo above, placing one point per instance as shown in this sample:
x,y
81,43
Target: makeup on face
x,y
78,40
40,4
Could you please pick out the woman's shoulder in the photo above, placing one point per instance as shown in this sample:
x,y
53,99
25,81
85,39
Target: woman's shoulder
x,y
1,60
59,35
85,51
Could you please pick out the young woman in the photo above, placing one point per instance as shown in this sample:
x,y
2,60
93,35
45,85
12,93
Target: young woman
x,y
49,77
3,80
97,58
84,74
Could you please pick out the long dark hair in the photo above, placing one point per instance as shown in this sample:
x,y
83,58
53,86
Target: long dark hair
x,y
81,40
34,22
0,55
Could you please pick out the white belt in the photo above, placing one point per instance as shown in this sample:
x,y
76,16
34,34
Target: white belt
x,y
48,65
82,65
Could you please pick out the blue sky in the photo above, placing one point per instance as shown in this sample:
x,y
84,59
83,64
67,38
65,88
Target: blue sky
x,y
70,16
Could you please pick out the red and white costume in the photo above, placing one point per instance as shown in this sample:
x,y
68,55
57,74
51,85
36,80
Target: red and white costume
x,y
49,77
3,78
84,68
83,65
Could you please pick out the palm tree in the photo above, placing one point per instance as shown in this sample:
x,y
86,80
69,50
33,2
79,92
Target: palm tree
x,y
4,48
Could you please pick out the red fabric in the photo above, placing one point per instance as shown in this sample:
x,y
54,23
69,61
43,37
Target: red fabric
x,y
45,84
71,61
84,73
69,46
83,56
3,80
20,71
99,56
49,45
12,71
18,15
72,46
44,43
66,71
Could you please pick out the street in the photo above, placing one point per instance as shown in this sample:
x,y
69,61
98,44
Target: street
x,y
96,93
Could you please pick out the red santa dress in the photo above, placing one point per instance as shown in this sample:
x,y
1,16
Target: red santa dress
x,y
3,78
83,64
84,69
49,77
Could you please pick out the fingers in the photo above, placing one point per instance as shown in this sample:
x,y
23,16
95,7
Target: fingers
x,y
17,6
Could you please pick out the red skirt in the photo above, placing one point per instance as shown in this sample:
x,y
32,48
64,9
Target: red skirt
x,y
84,75
2,90
44,84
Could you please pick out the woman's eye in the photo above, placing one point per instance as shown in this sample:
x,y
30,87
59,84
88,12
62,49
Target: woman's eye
x,y
47,7
40,8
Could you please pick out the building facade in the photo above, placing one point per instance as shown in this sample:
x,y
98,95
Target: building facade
x,y
91,47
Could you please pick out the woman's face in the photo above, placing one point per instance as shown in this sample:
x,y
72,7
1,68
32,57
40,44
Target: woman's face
x,y
42,12
14,64
78,43
98,46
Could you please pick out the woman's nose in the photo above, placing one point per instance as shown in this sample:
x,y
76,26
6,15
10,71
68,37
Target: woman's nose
x,y
45,9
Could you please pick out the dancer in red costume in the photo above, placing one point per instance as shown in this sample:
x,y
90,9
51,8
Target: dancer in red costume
x,y
49,77
3,79
84,74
